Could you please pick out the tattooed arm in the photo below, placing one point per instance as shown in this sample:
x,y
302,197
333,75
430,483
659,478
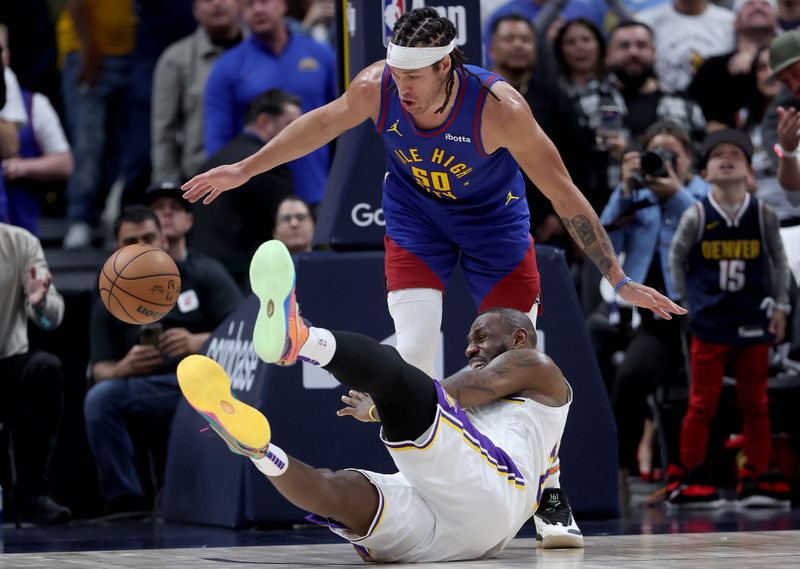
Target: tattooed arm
x,y
524,372
508,123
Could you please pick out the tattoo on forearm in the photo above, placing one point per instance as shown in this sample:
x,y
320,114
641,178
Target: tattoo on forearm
x,y
473,382
594,240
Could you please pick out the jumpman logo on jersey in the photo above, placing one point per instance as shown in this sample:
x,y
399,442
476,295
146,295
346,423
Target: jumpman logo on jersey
x,y
511,197
393,128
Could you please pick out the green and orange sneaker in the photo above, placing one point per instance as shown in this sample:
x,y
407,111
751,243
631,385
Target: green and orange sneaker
x,y
280,331
207,388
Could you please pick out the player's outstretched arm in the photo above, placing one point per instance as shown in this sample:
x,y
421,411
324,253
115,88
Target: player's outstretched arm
x,y
304,135
509,123
526,372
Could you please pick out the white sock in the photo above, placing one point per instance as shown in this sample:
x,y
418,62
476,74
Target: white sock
x,y
319,348
274,463
554,480
417,315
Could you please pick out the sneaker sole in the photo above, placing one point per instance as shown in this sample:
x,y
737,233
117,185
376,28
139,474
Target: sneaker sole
x,y
206,387
710,505
272,279
559,537
765,502
562,542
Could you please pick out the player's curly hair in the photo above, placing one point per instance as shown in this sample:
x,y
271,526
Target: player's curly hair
x,y
424,27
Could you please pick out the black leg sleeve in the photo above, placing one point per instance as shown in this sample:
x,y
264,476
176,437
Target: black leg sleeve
x,y
404,395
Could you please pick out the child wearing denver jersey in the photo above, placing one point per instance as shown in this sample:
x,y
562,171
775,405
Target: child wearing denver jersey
x,y
728,263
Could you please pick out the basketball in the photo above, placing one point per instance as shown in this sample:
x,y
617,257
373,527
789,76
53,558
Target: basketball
x,y
139,284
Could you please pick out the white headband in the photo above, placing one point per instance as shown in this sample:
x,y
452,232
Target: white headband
x,y
416,57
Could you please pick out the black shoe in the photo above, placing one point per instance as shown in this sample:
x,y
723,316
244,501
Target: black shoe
x,y
44,511
769,490
555,526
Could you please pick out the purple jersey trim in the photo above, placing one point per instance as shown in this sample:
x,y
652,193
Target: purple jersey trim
x,y
364,553
325,522
449,410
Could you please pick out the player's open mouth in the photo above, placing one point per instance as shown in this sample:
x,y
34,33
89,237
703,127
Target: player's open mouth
x,y
407,102
477,363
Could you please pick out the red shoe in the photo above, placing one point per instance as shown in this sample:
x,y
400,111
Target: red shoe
x,y
675,475
695,496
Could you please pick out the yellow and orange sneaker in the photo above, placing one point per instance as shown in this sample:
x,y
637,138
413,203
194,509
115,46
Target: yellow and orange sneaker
x,y
280,331
207,388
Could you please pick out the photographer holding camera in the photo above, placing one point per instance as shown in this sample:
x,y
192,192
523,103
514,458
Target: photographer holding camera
x,y
641,217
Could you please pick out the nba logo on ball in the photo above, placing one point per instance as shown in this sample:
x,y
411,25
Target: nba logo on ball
x,y
392,10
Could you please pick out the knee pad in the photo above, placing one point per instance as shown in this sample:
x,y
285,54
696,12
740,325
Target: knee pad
x,y
417,315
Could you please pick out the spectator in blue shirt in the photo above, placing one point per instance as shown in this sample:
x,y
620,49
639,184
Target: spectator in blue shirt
x,y
271,57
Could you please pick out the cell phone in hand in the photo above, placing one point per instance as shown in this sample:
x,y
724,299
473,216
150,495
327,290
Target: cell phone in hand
x,y
150,335
610,124
610,120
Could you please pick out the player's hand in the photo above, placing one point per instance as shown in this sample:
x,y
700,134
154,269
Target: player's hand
x,y
176,342
358,406
214,182
777,325
788,128
646,297
140,360
37,288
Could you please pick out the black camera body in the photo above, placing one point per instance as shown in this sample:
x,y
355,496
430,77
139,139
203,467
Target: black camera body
x,y
654,165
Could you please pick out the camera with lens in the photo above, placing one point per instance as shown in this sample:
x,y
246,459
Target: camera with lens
x,y
654,165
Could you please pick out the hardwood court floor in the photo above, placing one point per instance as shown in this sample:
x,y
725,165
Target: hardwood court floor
x,y
699,551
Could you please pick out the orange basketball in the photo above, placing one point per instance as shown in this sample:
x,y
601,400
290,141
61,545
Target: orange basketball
x,y
139,284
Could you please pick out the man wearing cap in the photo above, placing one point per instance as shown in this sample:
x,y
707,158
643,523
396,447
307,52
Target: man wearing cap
x,y
728,263
781,130
133,367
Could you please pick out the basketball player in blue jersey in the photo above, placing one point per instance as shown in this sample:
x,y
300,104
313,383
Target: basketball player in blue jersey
x,y
473,451
728,262
456,136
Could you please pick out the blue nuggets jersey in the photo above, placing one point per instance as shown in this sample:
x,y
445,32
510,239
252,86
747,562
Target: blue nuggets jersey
x,y
442,186
726,280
